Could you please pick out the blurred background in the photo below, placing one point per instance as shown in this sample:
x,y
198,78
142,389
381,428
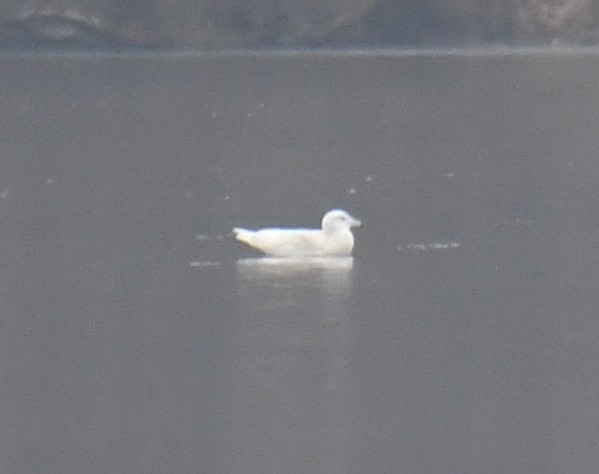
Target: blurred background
x,y
223,24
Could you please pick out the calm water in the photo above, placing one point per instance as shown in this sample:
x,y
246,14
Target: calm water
x,y
137,337
420,360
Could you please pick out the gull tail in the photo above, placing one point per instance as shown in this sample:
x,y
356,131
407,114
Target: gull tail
x,y
243,235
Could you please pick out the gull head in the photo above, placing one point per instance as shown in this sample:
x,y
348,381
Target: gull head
x,y
338,219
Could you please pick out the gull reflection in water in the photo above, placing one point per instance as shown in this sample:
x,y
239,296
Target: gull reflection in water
x,y
323,284
322,277
265,266
290,357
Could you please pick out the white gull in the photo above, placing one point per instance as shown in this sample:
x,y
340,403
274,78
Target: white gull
x,y
334,239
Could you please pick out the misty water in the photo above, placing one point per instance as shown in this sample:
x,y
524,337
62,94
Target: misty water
x,y
137,336
417,360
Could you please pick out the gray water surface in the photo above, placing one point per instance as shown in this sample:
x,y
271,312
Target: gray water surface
x,y
137,337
